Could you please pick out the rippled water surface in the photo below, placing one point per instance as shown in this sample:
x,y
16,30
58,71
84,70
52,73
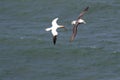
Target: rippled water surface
x,y
27,51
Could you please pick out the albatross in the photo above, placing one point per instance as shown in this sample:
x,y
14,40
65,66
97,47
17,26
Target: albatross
x,y
75,23
54,28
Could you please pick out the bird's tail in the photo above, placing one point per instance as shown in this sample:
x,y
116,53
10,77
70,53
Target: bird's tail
x,y
47,29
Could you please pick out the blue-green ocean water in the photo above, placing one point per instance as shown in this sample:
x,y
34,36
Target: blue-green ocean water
x,y
27,51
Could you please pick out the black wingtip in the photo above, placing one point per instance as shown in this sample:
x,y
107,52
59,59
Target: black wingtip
x,y
86,9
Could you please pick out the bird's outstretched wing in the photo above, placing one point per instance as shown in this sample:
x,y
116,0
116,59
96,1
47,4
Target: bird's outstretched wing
x,y
54,22
83,12
74,31
54,39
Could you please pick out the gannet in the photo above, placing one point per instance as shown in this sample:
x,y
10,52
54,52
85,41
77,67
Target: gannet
x,y
75,23
54,28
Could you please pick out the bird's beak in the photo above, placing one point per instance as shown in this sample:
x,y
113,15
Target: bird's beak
x,y
64,28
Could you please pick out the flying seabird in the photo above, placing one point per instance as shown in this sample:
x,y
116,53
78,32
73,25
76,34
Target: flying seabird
x,y
75,23
54,28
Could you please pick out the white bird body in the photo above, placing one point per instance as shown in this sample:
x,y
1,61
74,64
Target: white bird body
x,y
79,21
54,28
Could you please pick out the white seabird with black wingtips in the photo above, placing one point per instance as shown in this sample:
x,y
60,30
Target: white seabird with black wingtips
x,y
54,28
75,23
